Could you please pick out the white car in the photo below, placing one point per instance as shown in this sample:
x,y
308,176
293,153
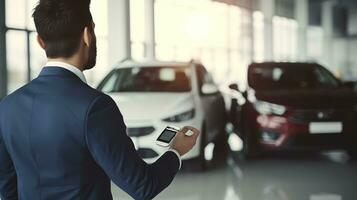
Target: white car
x,y
153,95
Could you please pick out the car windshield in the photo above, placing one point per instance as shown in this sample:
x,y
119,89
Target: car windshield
x,y
291,77
147,79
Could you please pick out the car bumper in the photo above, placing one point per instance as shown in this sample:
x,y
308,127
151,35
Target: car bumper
x,y
306,141
318,142
278,133
146,145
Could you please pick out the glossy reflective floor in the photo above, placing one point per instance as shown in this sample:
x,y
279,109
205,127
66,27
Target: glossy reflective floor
x,y
329,176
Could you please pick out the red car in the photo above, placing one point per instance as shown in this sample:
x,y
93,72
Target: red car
x,y
296,106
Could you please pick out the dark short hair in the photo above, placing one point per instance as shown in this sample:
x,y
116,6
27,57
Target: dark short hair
x,y
60,24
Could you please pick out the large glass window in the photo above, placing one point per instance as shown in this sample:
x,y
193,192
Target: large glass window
x,y
137,26
20,25
258,20
16,47
217,34
25,58
99,9
37,56
16,13
315,43
285,38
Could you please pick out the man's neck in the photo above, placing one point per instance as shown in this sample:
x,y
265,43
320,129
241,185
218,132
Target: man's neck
x,y
68,61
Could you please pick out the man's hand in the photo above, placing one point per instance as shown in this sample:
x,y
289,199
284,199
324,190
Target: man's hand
x,y
182,143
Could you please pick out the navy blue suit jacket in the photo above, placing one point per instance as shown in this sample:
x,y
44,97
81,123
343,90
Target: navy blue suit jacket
x,y
61,139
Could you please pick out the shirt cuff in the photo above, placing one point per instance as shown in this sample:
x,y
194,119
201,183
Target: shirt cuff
x,y
178,156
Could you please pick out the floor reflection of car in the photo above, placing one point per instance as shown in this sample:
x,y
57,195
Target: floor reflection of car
x,y
152,95
296,106
294,179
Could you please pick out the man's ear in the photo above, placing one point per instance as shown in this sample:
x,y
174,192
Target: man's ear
x,y
41,42
87,36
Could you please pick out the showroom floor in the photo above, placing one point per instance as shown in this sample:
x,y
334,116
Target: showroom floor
x,y
283,177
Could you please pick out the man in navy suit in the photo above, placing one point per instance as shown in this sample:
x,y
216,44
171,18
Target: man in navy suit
x,y
60,138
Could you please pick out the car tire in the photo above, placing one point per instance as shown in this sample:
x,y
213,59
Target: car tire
x,y
248,152
250,145
221,149
202,163
352,154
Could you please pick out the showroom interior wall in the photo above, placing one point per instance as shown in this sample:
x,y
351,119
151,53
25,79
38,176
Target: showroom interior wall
x,y
351,43
339,49
226,37
352,58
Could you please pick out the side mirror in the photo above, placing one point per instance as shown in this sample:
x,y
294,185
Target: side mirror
x,y
209,89
234,86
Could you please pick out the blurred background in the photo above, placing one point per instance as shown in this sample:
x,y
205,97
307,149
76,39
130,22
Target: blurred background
x,y
224,36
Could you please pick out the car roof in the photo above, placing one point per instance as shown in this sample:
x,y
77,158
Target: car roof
x,y
285,64
152,63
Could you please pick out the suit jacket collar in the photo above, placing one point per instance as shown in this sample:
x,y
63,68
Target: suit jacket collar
x,y
57,71
68,67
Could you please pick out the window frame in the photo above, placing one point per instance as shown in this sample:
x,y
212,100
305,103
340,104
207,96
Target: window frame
x,y
3,63
28,31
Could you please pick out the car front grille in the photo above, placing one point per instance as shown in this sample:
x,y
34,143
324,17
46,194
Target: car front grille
x,y
321,141
321,115
140,131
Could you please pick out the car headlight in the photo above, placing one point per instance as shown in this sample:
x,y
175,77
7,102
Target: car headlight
x,y
269,108
181,117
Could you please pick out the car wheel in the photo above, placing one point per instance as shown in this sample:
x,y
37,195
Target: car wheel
x,y
202,163
221,148
352,154
250,145
248,152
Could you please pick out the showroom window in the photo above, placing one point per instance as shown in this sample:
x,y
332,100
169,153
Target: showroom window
x,y
17,60
258,20
19,43
137,29
99,9
25,58
217,34
285,38
315,35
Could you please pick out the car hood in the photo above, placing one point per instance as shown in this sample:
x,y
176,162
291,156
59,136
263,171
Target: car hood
x,y
151,106
317,98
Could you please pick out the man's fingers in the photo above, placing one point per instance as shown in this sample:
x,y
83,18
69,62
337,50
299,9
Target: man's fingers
x,y
184,129
195,131
190,128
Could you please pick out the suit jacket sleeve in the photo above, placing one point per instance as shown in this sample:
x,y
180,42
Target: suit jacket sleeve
x,y
114,151
8,178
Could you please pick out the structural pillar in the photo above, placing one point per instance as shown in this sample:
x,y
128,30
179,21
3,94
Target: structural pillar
x,y
150,43
302,18
251,32
3,68
268,9
118,31
327,25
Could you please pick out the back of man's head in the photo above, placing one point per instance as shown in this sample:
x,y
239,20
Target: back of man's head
x,y
60,23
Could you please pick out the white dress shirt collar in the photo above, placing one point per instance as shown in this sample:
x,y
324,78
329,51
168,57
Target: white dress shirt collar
x,y
68,67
